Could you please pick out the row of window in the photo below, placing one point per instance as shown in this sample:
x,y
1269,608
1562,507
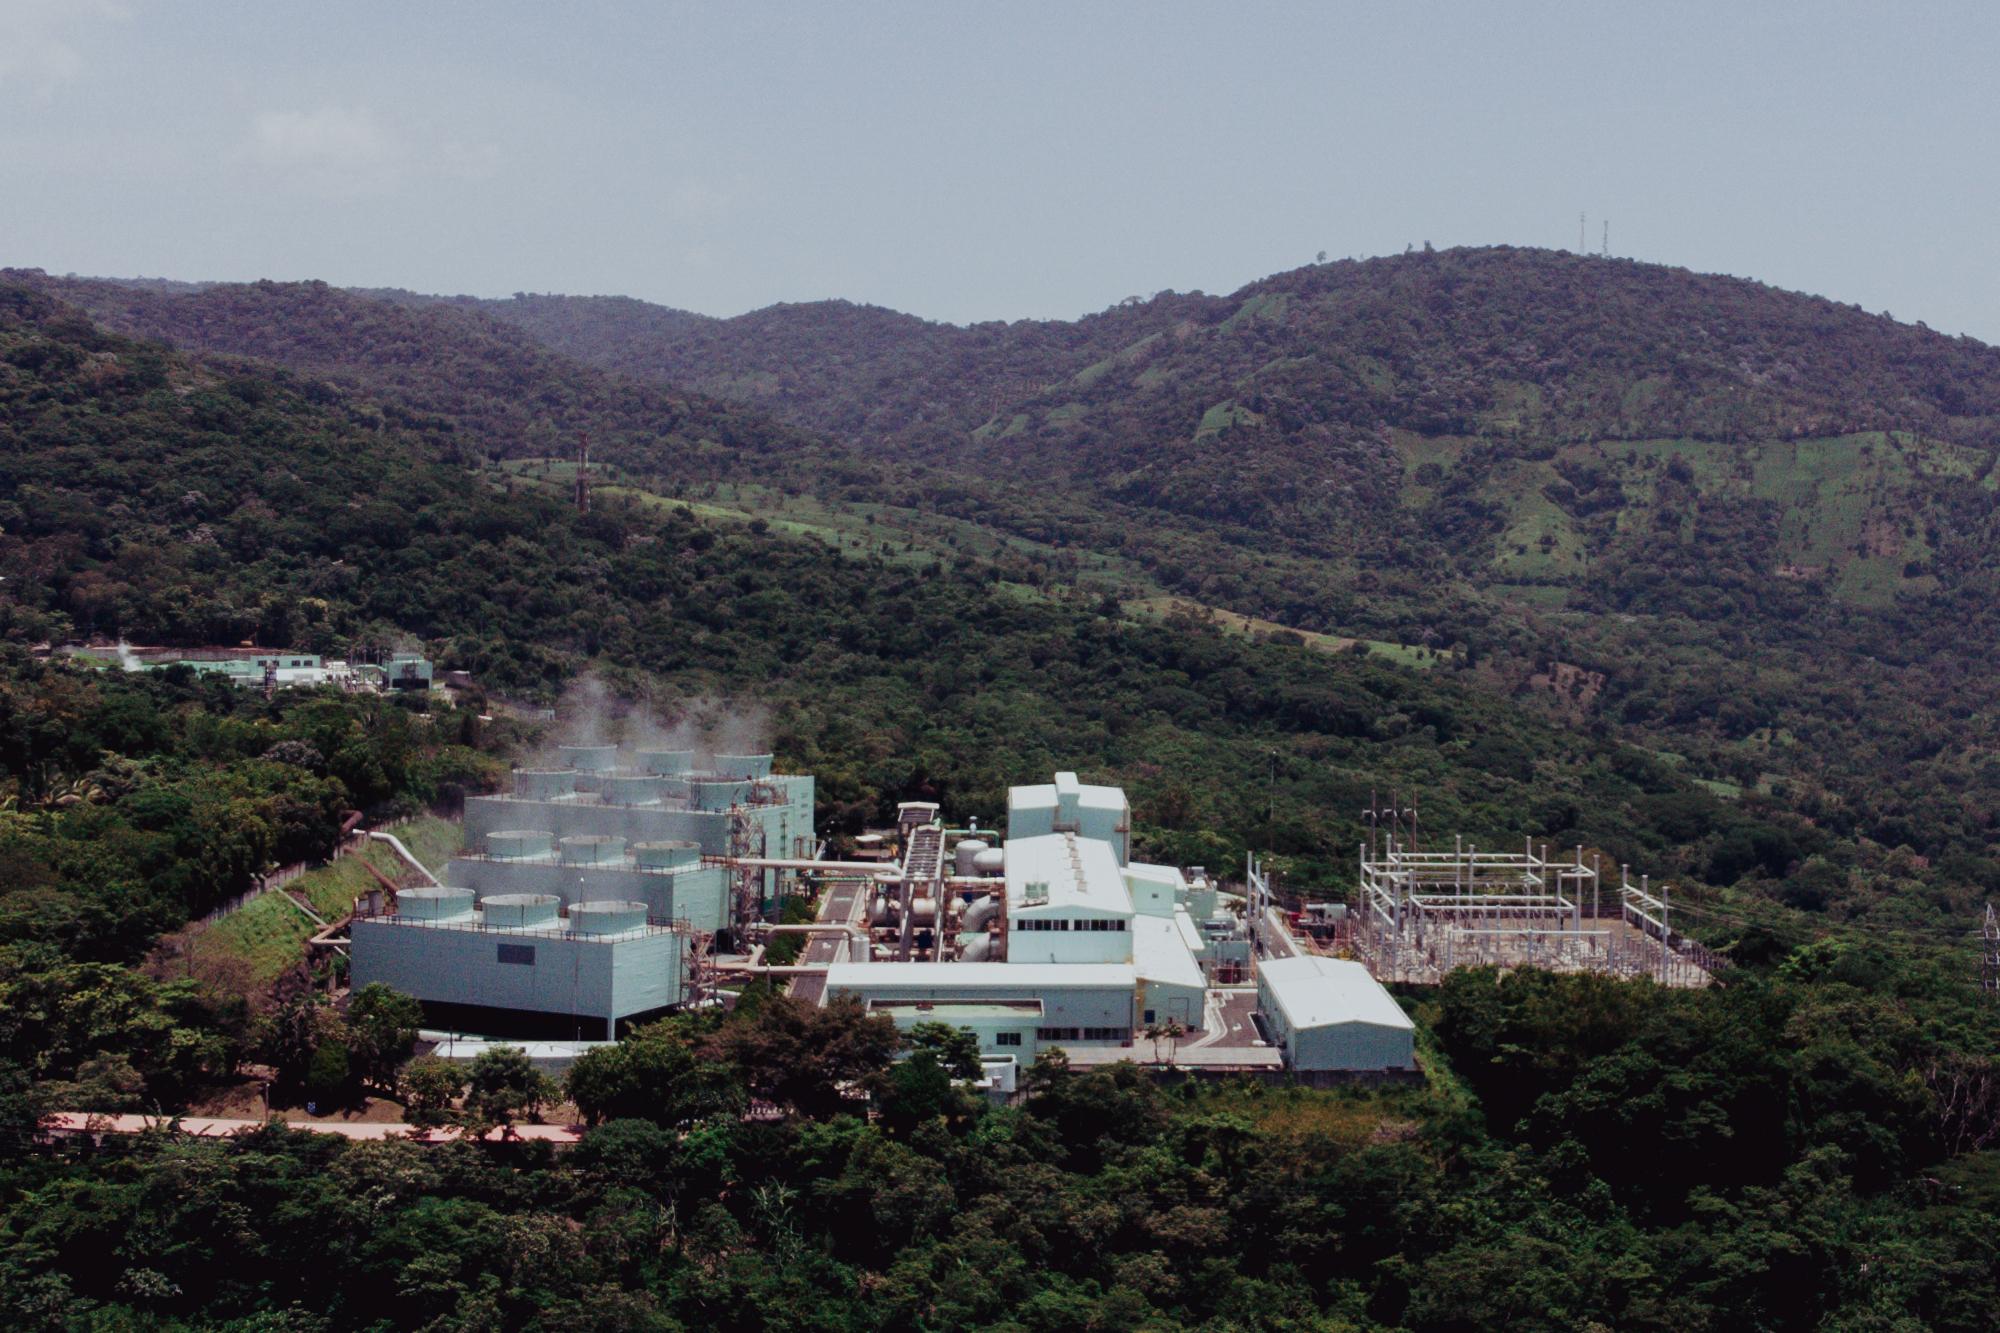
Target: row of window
x,y
1069,1034
1067,923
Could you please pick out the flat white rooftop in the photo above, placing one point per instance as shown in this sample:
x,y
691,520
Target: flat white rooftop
x,y
1062,872
1159,953
1041,795
1321,992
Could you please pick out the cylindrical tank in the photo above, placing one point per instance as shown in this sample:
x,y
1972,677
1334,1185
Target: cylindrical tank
x,y
519,844
628,789
666,855
607,916
978,949
980,915
923,911
666,762
590,758
434,904
520,911
992,861
717,794
742,766
881,912
593,849
966,854
544,784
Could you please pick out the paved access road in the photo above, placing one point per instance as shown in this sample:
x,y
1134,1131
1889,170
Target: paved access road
x,y
843,904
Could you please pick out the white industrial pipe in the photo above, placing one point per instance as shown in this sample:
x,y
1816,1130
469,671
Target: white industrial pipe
x,y
404,852
766,863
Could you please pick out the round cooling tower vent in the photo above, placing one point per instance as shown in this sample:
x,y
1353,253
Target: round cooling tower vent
x,y
593,849
544,784
433,903
589,758
606,917
717,794
965,856
519,844
629,789
666,762
666,855
742,765
520,911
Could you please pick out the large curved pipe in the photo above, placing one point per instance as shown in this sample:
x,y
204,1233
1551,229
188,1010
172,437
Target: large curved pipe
x,y
404,852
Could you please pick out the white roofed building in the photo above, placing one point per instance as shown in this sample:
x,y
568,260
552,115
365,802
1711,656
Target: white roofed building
x,y
1066,902
1329,1014
1066,805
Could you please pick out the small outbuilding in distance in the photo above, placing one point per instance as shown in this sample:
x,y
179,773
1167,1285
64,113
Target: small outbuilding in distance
x,y
1328,1014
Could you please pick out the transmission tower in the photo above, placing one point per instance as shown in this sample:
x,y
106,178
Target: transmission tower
x,y
1605,252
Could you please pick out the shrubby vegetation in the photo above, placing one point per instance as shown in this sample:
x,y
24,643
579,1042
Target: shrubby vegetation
x,y
1774,1156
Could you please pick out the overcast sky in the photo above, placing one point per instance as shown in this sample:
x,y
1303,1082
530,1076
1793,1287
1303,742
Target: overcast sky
x,y
970,162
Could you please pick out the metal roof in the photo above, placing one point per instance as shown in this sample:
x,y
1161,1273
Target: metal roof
x,y
1063,872
1160,954
1322,992
1089,796
1153,874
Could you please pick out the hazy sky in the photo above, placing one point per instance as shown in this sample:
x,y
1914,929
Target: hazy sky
x,y
997,160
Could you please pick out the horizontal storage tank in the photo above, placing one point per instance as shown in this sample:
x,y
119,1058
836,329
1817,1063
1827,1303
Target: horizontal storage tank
x,y
519,844
717,794
966,854
593,849
606,917
434,904
590,758
544,784
742,766
520,911
992,861
978,949
923,911
628,789
666,762
666,855
881,912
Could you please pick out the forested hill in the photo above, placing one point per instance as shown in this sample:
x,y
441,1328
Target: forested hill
x,y
1302,384
463,378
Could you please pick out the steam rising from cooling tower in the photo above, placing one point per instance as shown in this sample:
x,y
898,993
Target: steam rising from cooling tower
x,y
592,713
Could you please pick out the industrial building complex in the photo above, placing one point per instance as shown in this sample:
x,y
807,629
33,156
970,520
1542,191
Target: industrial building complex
x,y
613,885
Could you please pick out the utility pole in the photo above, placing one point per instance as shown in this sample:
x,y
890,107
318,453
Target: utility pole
x,y
1989,962
1606,251
583,473
1582,229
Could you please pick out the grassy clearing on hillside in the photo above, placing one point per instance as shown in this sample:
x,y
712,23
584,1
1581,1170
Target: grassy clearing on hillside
x,y
269,934
899,535
1162,608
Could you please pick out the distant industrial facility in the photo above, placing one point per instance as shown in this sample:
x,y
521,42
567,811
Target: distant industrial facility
x,y
612,885
271,668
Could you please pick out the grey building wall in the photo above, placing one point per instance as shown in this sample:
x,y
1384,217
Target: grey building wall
x,y
1077,1007
554,973
1349,1045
